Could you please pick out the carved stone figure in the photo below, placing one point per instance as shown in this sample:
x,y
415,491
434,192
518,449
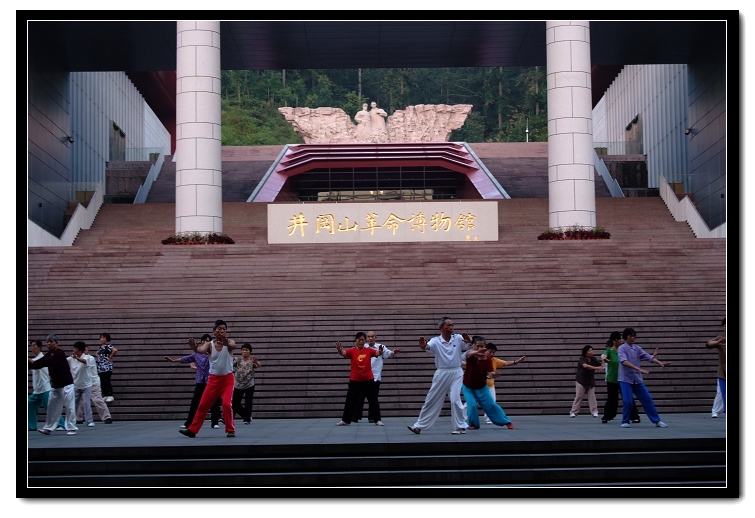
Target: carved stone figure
x,y
420,123
378,130
363,129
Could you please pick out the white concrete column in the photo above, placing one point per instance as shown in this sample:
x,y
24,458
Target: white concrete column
x,y
571,183
199,193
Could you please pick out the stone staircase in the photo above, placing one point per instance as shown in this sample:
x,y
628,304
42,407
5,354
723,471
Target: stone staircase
x,y
542,299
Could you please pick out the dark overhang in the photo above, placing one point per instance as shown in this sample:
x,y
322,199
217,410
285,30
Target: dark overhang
x,y
146,49
259,45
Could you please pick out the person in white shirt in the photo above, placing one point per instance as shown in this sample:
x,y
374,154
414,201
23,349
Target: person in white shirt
x,y
448,349
221,380
82,383
97,400
40,389
377,370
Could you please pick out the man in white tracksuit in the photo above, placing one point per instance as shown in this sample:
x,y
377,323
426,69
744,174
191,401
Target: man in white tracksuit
x,y
448,349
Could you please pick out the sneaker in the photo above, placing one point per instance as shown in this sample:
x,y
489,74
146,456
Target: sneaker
x,y
230,434
247,422
108,421
472,428
44,432
488,421
183,427
595,414
510,426
342,423
626,425
661,424
636,420
90,424
412,428
187,433
60,429
714,415
379,423
572,414
458,431
109,399
216,426
71,432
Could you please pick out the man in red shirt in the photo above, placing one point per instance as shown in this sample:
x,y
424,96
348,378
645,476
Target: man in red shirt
x,y
361,379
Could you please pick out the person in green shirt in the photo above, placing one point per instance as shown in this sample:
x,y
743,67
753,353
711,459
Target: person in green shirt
x,y
611,358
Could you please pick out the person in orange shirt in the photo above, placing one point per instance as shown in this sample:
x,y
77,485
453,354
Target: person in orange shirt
x,y
497,364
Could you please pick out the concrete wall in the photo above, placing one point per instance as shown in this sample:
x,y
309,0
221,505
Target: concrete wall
x,y
707,140
657,93
83,105
49,172
670,99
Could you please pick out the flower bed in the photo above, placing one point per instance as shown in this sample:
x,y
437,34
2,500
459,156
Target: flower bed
x,y
574,232
198,238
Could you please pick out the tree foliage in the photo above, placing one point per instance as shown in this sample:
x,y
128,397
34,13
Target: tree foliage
x,y
506,101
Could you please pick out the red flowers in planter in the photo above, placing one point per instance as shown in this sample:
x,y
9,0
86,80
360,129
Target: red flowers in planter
x,y
574,232
198,238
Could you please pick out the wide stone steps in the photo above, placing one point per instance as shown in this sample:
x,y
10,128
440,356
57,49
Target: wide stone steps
x,y
668,464
542,299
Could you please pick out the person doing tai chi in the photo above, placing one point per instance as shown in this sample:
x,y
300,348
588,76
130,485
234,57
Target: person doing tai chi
x,y
448,349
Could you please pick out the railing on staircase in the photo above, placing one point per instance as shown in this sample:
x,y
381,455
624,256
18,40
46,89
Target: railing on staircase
x,y
685,210
82,219
611,183
154,172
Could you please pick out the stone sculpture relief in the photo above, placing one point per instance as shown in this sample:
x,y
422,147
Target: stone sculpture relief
x,y
420,123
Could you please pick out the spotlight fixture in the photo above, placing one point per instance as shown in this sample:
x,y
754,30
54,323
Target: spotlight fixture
x,y
67,138
688,131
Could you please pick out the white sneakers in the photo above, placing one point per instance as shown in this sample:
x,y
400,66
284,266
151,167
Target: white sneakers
x,y
572,414
661,424
342,423
379,423
109,399
595,414
714,414
626,425
90,424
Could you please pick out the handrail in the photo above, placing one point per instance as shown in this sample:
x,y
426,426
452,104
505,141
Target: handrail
x,y
82,218
154,172
269,173
487,173
685,210
611,183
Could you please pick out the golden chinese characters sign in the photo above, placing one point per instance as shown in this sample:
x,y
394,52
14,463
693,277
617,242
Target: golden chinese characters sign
x,y
382,222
